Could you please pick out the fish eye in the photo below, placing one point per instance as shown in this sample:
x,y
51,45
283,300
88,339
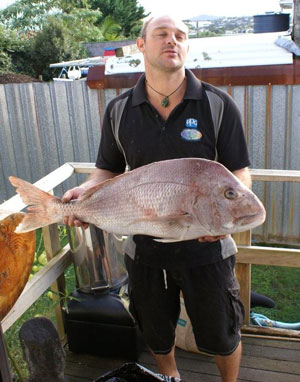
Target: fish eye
x,y
230,193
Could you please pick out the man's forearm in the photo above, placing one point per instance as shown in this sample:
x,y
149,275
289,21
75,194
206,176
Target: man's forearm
x,y
244,176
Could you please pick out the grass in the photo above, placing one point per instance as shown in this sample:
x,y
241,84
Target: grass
x,y
282,284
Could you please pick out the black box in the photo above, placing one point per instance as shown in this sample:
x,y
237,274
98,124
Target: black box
x,y
100,324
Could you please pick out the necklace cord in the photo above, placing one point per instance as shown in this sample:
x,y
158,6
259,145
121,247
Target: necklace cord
x,y
165,102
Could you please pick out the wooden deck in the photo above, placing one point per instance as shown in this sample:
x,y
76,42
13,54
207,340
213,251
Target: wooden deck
x,y
264,360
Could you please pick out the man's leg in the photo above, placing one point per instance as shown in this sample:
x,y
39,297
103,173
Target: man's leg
x,y
156,310
229,365
166,363
211,294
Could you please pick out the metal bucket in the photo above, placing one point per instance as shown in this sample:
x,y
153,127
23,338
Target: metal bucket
x,y
97,258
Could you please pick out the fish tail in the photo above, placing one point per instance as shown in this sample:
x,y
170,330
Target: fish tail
x,y
43,208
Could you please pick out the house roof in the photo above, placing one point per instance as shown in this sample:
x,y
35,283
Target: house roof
x,y
216,52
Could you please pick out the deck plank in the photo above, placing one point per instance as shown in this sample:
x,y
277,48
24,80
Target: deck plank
x,y
264,360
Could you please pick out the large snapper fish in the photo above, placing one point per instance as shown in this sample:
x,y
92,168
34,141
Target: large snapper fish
x,y
172,200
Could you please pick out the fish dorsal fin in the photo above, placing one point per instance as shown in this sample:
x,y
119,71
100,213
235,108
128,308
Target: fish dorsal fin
x,y
88,193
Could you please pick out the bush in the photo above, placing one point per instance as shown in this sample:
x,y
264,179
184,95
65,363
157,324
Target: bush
x,y
53,44
8,44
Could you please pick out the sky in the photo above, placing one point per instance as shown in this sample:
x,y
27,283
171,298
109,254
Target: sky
x,y
191,8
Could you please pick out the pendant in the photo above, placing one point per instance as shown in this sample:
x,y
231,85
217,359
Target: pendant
x,y
165,102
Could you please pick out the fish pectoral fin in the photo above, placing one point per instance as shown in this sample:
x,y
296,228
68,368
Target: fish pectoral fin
x,y
167,240
185,220
180,222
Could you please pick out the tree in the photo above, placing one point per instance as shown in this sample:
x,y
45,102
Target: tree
x,y
8,43
110,29
54,30
84,15
128,13
25,15
81,23
54,43
57,43
31,15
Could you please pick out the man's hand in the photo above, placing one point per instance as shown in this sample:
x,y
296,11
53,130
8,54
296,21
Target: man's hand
x,y
211,239
73,193
96,177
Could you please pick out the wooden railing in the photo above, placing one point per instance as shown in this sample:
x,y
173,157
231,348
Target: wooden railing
x,y
52,273
248,254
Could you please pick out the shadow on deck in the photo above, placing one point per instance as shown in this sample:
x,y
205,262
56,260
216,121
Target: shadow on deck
x,y
264,360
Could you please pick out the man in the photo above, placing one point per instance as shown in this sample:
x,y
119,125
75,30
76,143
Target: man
x,y
171,114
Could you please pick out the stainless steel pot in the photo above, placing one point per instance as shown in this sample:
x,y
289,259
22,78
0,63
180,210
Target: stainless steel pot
x,y
98,259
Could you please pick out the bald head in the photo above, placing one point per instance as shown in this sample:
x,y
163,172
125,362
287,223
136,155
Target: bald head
x,y
159,21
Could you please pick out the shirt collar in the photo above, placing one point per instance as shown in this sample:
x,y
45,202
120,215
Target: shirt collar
x,y
139,92
193,86
193,89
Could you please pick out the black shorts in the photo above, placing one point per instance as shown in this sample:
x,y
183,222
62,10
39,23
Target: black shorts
x,y
211,295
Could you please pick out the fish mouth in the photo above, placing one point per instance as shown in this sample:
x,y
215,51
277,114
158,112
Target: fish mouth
x,y
255,219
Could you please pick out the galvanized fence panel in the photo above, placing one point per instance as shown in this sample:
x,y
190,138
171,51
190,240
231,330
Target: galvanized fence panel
x,y
43,125
291,196
276,111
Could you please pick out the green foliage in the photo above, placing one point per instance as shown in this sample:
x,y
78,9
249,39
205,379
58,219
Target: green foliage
x,y
63,298
68,6
81,24
36,33
44,306
208,34
54,43
110,29
28,15
25,15
216,29
8,44
128,13
85,22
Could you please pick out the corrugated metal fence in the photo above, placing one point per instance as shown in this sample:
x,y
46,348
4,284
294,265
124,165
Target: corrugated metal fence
x,y
43,125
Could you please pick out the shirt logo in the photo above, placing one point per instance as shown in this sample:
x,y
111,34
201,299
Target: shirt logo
x,y
190,132
191,123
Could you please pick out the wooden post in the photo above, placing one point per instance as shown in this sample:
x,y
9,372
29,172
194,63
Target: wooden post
x,y
243,273
5,373
52,247
296,23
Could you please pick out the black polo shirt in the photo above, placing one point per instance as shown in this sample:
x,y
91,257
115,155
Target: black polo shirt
x,y
190,131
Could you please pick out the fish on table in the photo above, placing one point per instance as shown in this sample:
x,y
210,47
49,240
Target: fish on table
x,y
171,200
